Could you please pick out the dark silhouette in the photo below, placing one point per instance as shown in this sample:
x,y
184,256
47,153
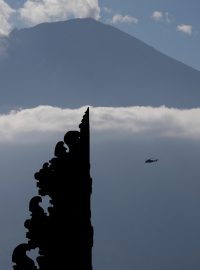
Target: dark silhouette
x,y
150,160
21,259
64,235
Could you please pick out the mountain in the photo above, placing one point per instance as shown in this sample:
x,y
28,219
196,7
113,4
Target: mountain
x,y
83,61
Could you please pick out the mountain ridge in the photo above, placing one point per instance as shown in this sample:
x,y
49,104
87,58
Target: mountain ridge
x,y
16,30
83,61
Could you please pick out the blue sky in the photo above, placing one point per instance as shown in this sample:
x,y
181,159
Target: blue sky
x,y
158,24
172,26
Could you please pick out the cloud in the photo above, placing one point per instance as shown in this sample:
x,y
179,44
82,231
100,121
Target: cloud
x,y
34,12
161,16
118,18
107,10
168,18
185,28
6,13
157,15
43,122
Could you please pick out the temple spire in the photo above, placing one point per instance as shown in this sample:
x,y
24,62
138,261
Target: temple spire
x,y
63,234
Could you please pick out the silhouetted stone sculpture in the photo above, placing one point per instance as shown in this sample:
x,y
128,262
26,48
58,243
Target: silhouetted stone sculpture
x,y
21,259
64,235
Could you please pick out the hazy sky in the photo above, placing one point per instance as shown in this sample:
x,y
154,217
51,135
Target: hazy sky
x,y
171,26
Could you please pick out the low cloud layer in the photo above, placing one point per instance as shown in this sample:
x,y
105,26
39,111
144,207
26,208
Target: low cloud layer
x,y
43,122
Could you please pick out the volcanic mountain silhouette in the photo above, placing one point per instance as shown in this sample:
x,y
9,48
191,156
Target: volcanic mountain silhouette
x,y
83,61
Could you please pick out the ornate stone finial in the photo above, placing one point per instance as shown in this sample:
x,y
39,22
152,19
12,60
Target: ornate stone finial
x,y
63,234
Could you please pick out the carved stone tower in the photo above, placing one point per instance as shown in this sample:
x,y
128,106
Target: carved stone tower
x,y
63,234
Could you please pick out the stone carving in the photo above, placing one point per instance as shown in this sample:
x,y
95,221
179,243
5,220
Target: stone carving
x,y
64,234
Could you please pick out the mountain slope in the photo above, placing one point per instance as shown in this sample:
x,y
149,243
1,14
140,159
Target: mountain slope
x,y
83,61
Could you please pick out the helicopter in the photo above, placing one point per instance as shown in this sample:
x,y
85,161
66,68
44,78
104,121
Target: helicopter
x,y
150,160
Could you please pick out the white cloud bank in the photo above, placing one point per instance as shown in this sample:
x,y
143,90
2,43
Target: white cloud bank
x,y
38,11
43,122
6,13
119,18
185,28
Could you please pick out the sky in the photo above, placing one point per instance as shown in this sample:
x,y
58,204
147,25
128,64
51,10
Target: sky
x,y
172,27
